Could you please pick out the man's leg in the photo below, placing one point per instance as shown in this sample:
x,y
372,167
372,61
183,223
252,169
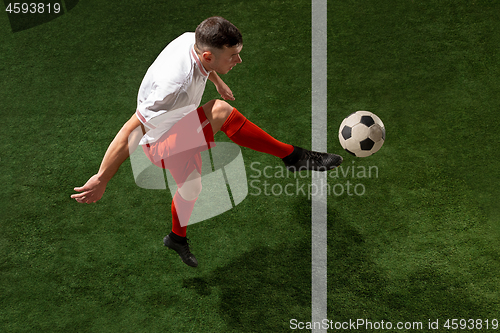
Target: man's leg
x,y
183,202
243,132
179,151
182,206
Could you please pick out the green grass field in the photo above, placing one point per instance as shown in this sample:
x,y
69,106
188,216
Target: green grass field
x,y
419,244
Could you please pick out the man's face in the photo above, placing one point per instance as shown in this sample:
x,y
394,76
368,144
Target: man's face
x,y
224,60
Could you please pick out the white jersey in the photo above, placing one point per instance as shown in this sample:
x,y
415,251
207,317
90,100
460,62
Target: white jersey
x,y
172,87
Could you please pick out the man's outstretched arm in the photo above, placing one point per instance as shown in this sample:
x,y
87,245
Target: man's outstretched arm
x,y
117,153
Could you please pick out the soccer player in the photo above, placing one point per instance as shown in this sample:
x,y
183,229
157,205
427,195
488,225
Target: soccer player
x,y
173,130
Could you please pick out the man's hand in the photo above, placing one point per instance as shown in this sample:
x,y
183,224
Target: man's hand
x,y
222,88
120,148
224,91
91,192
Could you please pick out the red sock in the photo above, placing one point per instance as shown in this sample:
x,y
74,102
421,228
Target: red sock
x,y
181,211
245,133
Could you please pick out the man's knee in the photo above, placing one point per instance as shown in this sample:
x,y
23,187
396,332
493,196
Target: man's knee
x,y
217,112
217,109
191,189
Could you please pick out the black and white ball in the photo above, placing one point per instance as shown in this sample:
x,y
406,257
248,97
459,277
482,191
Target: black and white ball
x,y
362,133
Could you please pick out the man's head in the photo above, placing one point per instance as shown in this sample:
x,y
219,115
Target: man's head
x,y
218,43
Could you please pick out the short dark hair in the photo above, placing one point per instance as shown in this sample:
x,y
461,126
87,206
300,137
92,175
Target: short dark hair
x,y
217,32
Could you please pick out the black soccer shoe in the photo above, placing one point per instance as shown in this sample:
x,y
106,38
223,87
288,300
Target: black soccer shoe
x,y
182,249
303,159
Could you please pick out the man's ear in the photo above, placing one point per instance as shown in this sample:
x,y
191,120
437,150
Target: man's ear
x,y
208,56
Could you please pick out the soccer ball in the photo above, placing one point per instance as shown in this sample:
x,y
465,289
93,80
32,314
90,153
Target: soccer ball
x,y
362,133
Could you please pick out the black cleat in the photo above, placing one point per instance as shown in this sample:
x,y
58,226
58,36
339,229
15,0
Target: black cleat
x,y
183,250
303,159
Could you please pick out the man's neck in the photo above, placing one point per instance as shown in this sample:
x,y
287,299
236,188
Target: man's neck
x,y
199,55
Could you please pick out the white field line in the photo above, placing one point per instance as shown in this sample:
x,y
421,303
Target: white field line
x,y
319,143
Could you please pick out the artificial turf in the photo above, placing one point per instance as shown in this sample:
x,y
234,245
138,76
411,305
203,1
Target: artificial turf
x,y
420,243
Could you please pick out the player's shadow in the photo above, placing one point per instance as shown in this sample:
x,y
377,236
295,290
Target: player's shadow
x,y
199,285
259,288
